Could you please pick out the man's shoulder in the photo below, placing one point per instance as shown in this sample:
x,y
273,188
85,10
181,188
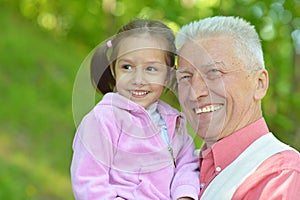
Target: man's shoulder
x,y
289,159
280,172
284,160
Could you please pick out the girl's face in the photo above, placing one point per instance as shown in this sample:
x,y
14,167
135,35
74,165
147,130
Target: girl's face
x,y
141,70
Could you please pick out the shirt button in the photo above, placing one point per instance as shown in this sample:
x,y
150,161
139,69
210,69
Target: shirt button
x,y
202,185
218,169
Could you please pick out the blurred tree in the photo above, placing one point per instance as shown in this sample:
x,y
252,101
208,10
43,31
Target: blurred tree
x,y
277,21
42,41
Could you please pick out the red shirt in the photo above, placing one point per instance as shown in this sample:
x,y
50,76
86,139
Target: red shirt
x,y
276,178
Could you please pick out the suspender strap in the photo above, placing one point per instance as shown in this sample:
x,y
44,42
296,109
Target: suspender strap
x,y
225,184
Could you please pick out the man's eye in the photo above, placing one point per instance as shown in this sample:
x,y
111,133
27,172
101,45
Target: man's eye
x,y
213,73
214,70
184,77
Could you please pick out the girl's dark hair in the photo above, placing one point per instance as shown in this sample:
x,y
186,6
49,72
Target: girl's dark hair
x,y
106,54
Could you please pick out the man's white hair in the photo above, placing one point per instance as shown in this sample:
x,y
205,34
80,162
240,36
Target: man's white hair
x,y
246,40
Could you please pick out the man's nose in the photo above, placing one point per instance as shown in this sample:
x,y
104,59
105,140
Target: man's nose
x,y
199,87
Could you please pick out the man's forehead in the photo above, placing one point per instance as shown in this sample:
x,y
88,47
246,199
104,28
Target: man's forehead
x,y
194,54
195,61
190,49
185,68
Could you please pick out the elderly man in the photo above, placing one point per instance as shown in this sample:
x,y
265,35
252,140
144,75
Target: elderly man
x,y
221,82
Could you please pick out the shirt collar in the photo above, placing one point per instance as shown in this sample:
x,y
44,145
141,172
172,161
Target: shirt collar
x,y
152,108
153,113
229,148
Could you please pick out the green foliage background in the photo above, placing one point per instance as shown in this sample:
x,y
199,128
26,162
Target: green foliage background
x,y
44,42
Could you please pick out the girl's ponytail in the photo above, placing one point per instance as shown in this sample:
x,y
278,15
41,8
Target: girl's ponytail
x,y
100,73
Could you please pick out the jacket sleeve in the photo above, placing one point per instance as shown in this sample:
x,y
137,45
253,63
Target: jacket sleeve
x,y
186,179
91,161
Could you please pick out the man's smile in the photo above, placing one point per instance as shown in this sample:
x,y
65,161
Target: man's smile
x,y
208,108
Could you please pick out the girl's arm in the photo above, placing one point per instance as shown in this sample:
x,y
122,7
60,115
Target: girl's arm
x,y
90,163
185,183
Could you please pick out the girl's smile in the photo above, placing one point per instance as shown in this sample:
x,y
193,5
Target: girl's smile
x,y
141,73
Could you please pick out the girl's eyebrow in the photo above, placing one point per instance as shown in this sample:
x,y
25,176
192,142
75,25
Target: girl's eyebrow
x,y
125,60
128,60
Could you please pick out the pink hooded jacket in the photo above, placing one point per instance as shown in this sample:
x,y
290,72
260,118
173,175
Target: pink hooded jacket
x,y
119,154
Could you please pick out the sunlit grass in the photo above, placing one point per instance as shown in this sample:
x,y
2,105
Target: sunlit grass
x,y
26,177
36,124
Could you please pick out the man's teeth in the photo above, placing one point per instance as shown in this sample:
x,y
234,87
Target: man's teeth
x,y
207,109
139,93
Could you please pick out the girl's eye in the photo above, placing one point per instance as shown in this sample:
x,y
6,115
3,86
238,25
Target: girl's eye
x,y
151,69
127,67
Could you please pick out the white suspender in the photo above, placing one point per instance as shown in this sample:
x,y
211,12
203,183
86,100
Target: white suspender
x,y
225,184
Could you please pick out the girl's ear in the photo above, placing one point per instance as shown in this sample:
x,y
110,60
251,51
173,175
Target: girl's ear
x,y
262,79
112,71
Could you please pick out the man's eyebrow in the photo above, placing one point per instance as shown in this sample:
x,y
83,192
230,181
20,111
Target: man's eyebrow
x,y
213,63
181,70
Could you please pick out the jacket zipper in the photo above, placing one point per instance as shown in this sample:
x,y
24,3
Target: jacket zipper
x,y
165,137
171,152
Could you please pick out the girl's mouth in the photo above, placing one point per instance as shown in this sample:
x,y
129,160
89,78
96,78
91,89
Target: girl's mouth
x,y
139,93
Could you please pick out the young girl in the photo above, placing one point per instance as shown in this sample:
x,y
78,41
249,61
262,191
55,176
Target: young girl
x,y
132,145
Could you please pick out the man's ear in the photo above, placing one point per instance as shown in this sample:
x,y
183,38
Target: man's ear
x,y
171,74
170,81
262,79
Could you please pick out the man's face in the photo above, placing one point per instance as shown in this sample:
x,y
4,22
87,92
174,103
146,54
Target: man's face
x,y
215,91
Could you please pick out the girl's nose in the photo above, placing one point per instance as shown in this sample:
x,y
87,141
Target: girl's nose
x,y
138,77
